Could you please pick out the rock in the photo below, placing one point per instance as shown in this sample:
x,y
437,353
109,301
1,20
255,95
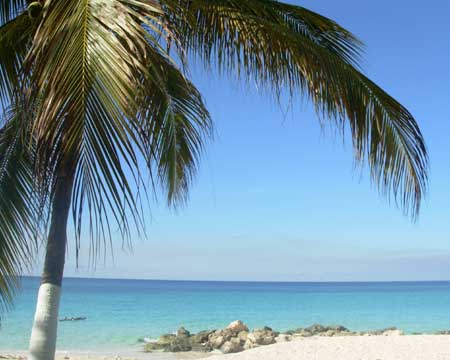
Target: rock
x,y
264,336
243,336
237,326
392,331
166,339
316,329
338,328
154,346
302,333
283,338
216,339
328,333
347,333
219,337
232,346
236,337
182,332
179,344
443,332
201,337
249,344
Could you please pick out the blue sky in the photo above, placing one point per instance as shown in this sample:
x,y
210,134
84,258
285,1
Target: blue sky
x,y
277,198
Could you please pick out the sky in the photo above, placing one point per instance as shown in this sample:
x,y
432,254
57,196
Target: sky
x,y
279,199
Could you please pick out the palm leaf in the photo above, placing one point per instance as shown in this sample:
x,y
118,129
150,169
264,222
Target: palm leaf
x,y
175,126
105,90
18,205
15,39
285,47
9,9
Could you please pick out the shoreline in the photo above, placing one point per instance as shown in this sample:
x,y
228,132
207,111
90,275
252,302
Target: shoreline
x,y
378,347
145,347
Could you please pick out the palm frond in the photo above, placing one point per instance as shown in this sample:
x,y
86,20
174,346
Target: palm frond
x,y
9,9
15,39
285,47
18,205
174,126
98,81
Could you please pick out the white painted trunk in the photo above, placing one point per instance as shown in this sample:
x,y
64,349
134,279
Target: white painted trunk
x,y
43,335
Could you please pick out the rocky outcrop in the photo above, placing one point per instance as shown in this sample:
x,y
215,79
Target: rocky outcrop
x,y
443,332
231,339
264,336
237,326
182,332
391,331
233,345
320,330
181,342
201,337
237,337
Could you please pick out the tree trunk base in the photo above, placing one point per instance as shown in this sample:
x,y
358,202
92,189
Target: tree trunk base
x,y
43,335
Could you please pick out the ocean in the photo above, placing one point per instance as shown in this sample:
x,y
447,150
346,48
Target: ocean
x,y
120,312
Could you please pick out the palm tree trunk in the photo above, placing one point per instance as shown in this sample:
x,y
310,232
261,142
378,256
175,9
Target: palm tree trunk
x,y
44,332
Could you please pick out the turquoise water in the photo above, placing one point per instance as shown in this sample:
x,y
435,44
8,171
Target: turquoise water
x,y
119,312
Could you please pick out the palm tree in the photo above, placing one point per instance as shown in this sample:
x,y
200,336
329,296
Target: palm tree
x,y
93,89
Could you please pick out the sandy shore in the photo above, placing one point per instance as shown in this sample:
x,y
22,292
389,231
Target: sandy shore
x,y
408,347
411,347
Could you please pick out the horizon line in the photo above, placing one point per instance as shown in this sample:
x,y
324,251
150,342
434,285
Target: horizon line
x,y
251,281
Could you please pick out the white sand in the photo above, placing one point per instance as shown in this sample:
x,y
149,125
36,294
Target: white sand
x,y
412,347
408,347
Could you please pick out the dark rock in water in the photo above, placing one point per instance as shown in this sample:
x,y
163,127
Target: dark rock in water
x,y
179,344
201,337
154,346
183,332
166,339
163,343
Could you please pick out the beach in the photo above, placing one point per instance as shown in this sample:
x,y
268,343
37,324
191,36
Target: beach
x,y
407,347
410,347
